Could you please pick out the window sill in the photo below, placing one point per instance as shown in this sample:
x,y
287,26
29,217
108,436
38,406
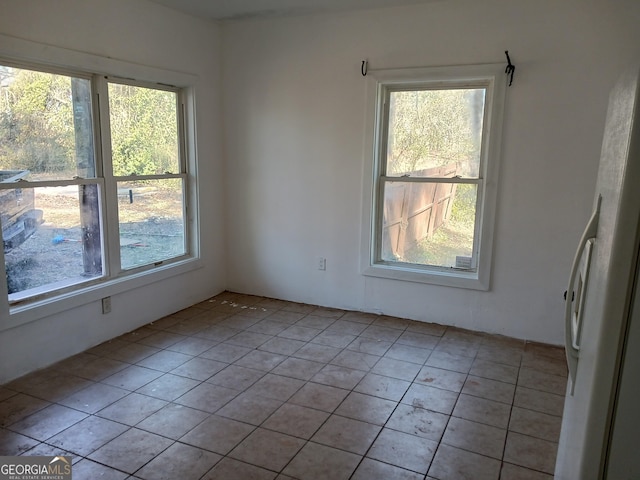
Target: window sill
x,y
29,312
445,278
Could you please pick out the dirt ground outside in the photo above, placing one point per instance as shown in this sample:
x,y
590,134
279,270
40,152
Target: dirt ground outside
x,y
151,230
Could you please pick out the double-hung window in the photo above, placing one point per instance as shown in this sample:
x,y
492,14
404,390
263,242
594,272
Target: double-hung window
x,y
434,164
93,179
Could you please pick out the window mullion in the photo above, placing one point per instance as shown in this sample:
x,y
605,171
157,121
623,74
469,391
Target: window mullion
x,y
4,302
110,194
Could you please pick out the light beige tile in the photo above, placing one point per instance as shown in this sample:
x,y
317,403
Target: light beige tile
x,y
297,332
530,452
168,387
132,377
131,450
396,369
366,408
535,424
296,420
514,472
317,352
132,409
333,339
482,410
94,398
88,435
545,382
230,469
494,371
19,406
457,347
403,450
298,368
503,355
258,360
372,469
475,437
276,387
207,397
199,368
430,398
383,387
316,461
267,449
356,360
408,353
315,321
345,326
489,389
337,376
88,469
418,421
448,361
133,352
321,397
48,422
252,409
162,339
391,322
427,328
327,312
236,377
218,434
539,401
225,352
417,339
172,421
369,345
283,346
382,334
452,463
440,378
12,443
179,461
346,434
248,339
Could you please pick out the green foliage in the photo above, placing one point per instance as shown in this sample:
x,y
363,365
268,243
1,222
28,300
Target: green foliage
x,y
143,130
38,132
463,210
36,121
429,128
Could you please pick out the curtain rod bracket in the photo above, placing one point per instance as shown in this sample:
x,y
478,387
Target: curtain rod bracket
x,y
364,67
510,67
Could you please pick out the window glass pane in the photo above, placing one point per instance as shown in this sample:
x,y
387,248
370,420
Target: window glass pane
x,y
151,221
51,237
144,130
432,129
429,224
45,125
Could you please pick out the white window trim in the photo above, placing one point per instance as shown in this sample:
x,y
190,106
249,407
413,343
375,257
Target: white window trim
x,y
32,53
434,77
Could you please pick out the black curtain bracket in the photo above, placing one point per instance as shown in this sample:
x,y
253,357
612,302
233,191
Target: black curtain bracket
x,y
364,67
510,68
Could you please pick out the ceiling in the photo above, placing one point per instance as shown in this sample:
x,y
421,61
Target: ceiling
x,y
245,9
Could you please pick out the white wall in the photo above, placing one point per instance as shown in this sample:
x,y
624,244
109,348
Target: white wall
x,y
294,105
138,32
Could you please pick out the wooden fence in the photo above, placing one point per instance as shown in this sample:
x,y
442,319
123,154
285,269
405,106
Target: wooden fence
x,y
413,211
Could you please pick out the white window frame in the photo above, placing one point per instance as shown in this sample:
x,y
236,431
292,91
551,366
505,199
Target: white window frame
x,y
379,82
35,56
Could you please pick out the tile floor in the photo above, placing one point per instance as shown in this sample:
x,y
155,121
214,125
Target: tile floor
x,y
243,387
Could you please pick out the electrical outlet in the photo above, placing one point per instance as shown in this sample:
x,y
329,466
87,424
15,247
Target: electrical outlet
x,y
106,305
322,263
